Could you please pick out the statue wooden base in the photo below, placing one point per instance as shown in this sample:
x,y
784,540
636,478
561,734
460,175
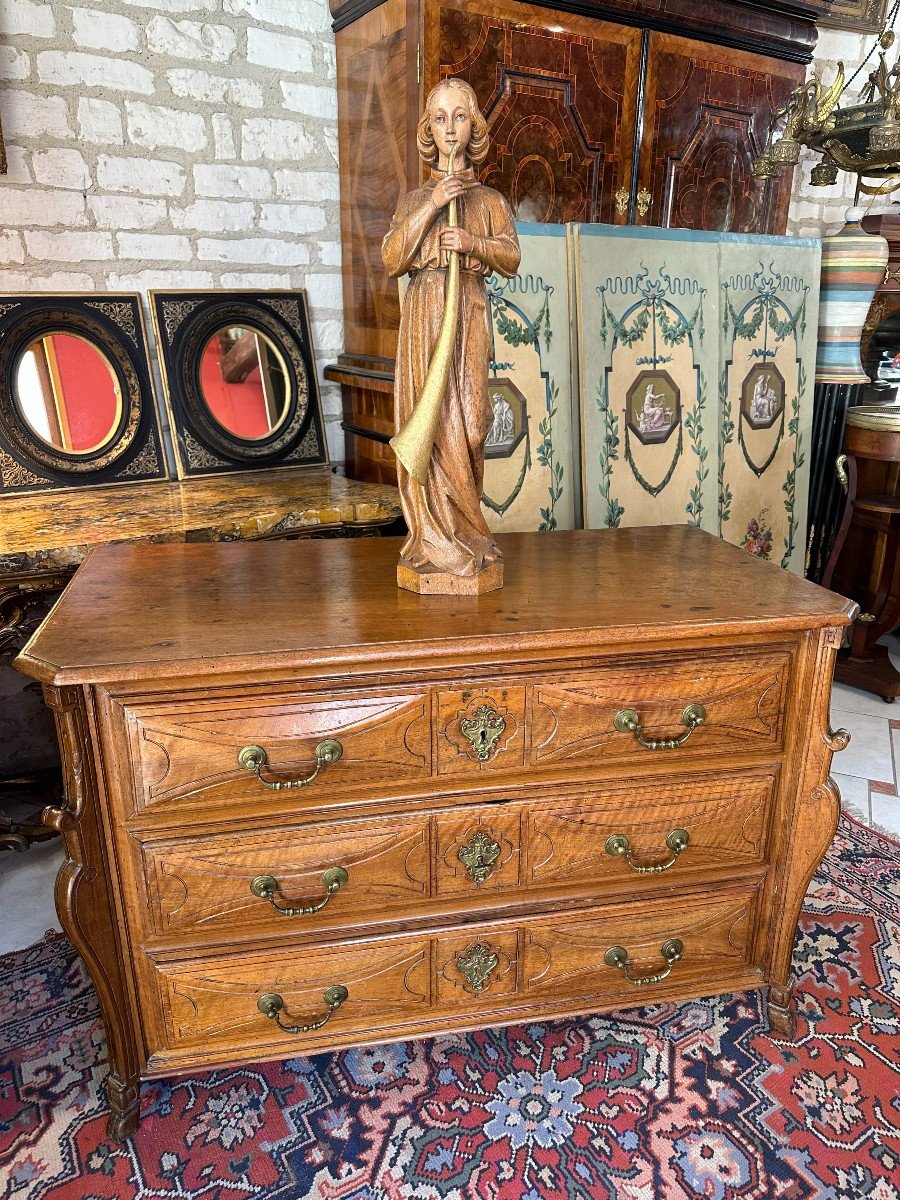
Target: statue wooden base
x,y
441,583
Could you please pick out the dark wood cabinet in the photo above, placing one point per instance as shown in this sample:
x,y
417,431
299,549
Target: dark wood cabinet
x,y
560,97
646,111
707,111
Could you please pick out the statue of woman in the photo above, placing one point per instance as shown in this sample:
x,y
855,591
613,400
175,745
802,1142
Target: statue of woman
x,y
449,544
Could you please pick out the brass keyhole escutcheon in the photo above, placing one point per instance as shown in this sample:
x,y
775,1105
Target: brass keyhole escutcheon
x,y
479,855
476,965
483,730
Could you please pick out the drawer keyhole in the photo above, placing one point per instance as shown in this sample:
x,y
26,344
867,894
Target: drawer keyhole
x,y
483,730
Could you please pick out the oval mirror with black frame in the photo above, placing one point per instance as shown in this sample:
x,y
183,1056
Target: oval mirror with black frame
x,y
76,396
240,381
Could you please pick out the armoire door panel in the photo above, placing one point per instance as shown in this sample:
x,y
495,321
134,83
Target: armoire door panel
x,y
559,152
706,116
375,65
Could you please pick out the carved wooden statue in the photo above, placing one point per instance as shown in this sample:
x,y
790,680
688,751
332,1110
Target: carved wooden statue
x,y
448,235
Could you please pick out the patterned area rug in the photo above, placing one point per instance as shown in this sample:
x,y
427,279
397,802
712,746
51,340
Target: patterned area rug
x,y
667,1102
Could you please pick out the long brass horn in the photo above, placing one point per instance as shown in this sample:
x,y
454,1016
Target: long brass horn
x,y
414,442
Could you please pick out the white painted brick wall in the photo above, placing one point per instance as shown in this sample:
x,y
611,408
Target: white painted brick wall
x,y
74,69
96,30
23,17
173,144
191,39
64,168
100,121
255,182
268,49
156,127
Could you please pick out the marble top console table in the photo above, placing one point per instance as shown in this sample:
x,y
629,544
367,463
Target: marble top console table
x,y
41,534
43,539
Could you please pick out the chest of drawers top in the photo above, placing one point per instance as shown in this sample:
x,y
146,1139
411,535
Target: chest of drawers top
x,y
221,611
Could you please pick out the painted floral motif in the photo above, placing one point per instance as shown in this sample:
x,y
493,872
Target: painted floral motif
x,y
658,314
509,301
758,538
694,1101
767,325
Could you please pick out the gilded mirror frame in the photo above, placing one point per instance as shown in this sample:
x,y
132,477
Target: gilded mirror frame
x,y
185,322
113,324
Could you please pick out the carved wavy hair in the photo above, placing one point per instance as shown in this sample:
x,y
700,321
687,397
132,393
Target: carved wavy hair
x,y
477,149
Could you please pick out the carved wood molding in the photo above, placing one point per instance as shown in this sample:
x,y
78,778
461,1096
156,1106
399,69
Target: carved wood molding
x,y
811,829
64,702
786,31
85,906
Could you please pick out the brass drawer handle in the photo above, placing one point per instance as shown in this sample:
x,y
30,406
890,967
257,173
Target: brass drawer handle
x,y
617,956
265,886
627,721
254,758
677,841
271,1004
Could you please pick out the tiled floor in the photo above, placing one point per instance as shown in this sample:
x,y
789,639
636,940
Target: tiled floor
x,y
866,773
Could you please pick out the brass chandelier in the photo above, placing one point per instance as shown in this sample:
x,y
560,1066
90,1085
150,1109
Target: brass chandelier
x,y
862,138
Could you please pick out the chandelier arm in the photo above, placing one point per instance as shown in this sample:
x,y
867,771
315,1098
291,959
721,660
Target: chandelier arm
x,y
846,160
892,184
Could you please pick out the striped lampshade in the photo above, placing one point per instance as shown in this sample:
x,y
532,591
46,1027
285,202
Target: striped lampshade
x,y
853,263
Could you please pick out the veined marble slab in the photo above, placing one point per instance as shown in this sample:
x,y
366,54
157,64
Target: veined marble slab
x,y
40,533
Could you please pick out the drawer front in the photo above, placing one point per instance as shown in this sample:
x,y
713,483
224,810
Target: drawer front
x,y
725,820
239,882
352,873
187,751
215,1003
408,984
569,957
217,752
574,720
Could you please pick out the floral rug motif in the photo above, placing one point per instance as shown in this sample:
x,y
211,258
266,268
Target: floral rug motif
x,y
666,1102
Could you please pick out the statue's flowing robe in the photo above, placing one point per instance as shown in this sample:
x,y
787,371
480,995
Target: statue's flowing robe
x,y
447,530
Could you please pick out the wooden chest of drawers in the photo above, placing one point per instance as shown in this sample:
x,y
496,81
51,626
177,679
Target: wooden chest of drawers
x,y
305,809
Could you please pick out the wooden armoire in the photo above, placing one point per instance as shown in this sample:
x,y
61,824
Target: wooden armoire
x,y
626,111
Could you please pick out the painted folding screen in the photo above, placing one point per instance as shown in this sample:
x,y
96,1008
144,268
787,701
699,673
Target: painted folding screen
x,y
529,472
694,354
768,312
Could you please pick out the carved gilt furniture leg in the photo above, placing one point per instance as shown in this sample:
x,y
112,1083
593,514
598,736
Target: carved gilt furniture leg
x,y
85,904
817,808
